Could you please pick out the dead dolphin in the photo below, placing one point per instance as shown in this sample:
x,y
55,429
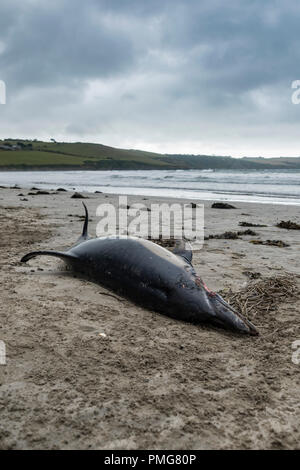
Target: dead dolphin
x,y
151,276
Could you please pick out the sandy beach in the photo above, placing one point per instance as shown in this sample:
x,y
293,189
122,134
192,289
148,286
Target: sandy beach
x,y
151,382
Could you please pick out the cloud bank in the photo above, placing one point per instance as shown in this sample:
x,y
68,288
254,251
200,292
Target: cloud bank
x,y
169,76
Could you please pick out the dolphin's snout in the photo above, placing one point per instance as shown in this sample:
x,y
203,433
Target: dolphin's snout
x,y
220,313
227,317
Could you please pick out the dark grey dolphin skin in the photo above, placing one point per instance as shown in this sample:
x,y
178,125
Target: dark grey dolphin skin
x,y
151,276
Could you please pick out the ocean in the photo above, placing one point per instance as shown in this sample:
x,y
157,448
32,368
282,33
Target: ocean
x,y
268,186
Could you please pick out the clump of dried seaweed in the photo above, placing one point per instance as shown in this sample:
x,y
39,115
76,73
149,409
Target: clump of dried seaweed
x,y
288,224
232,235
225,236
249,224
165,242
278,243
222,205
260,297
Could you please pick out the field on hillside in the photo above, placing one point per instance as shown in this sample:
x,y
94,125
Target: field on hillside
x,y
39,158
89,156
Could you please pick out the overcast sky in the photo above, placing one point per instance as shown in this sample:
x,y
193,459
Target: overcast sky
x,y
173,76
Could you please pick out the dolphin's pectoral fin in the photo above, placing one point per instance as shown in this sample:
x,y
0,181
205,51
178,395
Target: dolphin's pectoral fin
x,y
183,249
57,254
84,236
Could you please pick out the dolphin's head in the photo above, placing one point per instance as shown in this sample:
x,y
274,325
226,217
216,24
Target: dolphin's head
x,y
202,305
227,317
220,313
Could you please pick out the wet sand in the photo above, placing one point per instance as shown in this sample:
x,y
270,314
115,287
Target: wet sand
x,y
152,382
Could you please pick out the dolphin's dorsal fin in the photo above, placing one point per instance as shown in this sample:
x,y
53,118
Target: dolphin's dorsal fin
x,y
183,249
84,236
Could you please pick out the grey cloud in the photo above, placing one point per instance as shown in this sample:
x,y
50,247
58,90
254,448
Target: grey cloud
x,y
163,72
63,43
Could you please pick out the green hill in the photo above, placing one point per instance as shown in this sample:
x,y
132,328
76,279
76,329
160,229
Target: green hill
x,y
37,154
34,155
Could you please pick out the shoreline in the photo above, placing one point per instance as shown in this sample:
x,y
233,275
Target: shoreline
x,y
140,386
222,197
254,186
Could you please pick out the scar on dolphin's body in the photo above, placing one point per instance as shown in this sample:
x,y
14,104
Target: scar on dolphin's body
x,y
151,276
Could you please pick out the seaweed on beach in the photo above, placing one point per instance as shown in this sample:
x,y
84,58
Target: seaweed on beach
x,y
278,243
78,196
260,297
222,205
249,224
78,216
231,235
224,236
247,232
165,242
39,193
288,224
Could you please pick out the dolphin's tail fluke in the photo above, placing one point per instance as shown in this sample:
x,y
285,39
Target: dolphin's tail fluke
x,y
84,236
57,254
86,222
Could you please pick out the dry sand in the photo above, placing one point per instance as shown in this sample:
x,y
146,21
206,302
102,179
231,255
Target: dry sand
x,y
153,382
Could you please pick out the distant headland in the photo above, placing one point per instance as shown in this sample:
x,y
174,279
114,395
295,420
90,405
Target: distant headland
x,y
19,154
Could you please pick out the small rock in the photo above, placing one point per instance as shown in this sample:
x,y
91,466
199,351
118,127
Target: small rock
x,y
78,196
222,205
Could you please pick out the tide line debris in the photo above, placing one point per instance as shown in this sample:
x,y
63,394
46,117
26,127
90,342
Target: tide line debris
x,y
288,224
278,243
264,295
